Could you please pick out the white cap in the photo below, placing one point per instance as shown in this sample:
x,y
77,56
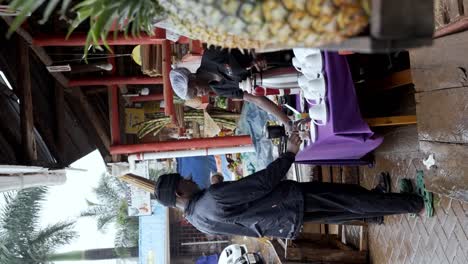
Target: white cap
x,y
180,78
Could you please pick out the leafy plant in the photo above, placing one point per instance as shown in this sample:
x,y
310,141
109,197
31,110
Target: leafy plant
x,y
134,16
21,238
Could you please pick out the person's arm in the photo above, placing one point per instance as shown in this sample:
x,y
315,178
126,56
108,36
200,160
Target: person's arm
x,y
261,183
268,106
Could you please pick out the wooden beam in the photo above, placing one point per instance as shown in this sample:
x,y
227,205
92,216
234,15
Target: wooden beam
x,y
59,118
63,81
326,255
93,117
28,142
392,81
391,121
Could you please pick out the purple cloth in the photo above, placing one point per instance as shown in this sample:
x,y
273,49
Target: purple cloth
x,y
346,136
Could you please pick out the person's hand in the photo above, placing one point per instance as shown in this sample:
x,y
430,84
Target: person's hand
x,y
294,143
216,178
290,127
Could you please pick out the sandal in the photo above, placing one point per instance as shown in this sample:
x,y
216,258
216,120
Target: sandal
x,y
406,186
425,194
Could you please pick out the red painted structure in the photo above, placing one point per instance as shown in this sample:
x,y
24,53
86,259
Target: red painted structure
x,y
182,144
166,68
114,116
79,39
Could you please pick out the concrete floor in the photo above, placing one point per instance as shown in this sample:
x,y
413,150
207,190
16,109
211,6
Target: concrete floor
x,y
403,239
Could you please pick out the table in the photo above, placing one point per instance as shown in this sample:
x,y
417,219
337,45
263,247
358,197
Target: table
x,y
346,138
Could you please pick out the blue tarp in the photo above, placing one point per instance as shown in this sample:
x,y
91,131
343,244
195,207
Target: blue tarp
x,y
153,231
252,122
200,168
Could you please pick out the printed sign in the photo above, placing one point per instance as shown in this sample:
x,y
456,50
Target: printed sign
x,y
139,201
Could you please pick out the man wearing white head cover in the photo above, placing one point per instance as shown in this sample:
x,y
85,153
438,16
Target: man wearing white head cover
x,y
221,71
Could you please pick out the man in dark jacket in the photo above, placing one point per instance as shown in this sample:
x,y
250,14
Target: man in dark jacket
x,y
264,204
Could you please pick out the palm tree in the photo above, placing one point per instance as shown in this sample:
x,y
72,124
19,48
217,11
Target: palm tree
x,y
21,238
231,23
112,207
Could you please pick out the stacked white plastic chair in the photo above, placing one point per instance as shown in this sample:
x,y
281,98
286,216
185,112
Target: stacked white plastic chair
x,y
313,84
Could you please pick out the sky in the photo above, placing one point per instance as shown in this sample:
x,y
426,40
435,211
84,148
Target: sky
x,y
65,202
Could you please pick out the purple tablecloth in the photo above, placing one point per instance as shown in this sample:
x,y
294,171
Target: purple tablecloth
x,y
346,135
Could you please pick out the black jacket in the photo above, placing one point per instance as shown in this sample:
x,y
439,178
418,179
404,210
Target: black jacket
x,y
230,65
256,206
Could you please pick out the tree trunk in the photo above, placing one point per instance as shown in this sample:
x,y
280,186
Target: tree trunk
x,y
96,254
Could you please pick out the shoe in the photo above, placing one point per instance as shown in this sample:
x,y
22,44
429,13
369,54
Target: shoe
x,y
384,185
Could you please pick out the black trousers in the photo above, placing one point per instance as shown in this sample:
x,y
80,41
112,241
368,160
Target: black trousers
x,y
338,203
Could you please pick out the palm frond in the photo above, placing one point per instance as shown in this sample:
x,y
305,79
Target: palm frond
x,y
5,253
104,220
90,203
55,235
22,240
109,191
97,211
20,214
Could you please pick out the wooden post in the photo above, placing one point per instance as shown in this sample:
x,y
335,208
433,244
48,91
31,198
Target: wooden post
x,y
363,238
26,107
168,93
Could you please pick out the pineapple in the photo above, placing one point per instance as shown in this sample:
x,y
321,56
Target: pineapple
x,y
268,24
245,24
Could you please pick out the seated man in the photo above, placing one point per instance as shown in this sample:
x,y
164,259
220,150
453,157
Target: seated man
x,y
264,204
221,71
